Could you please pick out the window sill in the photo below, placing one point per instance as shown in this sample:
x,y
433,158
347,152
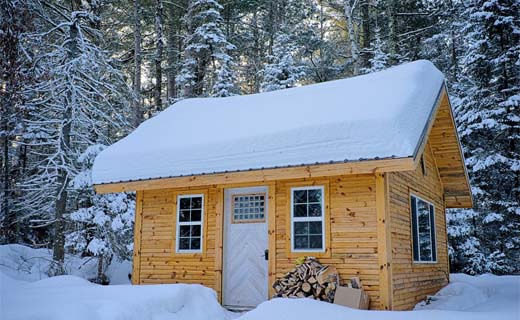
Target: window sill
x,y
315,254
425,262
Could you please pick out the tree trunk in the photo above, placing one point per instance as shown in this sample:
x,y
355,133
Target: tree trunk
x,y
258,55
171,86
158,54
365,54
63,177
5,163
354,51
174,32
138,112
392,32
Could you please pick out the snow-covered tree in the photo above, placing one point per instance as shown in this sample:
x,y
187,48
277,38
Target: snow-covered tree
x,y
15,20
225,83
78,100
283,71
489,122
380,59
103,223
206,48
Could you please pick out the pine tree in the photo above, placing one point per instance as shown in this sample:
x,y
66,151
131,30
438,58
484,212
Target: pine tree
x,y
283,72
15,20
138,61
380,59
159,45
489,122
103,224
225,83
206,48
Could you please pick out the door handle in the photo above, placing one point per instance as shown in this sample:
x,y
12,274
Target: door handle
x,y
266,254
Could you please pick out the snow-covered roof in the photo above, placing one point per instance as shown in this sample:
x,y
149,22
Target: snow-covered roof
x,y
379,115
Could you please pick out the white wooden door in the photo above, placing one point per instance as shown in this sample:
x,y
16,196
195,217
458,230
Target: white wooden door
x,y
245,283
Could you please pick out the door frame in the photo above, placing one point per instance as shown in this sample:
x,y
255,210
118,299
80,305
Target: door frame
x,y
271,235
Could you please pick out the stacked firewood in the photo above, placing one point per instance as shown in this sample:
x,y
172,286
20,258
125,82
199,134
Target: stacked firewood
x,y
309,279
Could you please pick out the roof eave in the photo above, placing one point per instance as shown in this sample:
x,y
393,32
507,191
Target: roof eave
x,y
368,166
458,200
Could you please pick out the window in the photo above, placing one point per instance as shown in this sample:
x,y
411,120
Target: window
x,y
248,208
423,227
190,213
307,219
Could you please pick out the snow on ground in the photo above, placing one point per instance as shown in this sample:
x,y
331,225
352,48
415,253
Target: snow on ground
x,y
24,263
484,297
26,292
23,296
70,297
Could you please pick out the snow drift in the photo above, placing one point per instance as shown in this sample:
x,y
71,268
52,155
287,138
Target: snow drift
x,y
465,298
70,297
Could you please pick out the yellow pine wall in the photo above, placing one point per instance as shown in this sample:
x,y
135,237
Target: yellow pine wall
x,y
352,244
411,281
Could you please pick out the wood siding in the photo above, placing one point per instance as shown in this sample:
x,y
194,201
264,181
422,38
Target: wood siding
x,y
411,281
158,262
358,209
353,245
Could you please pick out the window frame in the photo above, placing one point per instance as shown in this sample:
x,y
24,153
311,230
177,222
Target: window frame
x,y
189,223
415,230
309,219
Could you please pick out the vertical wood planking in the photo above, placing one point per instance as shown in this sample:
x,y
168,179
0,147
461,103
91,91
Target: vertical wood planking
x,y
383,242
137,237
271,216
412,281
352,244
219,240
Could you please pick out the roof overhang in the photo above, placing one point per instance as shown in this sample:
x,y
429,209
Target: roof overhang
x,y
441,132
264,175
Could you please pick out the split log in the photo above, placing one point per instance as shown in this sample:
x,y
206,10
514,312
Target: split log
x,y
309,279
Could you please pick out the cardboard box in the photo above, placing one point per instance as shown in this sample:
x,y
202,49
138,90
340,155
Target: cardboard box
x,y
352,298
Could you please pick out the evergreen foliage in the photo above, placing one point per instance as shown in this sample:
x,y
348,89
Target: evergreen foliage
x,y
67,66
283,72
206,47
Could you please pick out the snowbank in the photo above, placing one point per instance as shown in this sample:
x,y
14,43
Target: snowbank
x,y
465,298
70,297
24,263
379,115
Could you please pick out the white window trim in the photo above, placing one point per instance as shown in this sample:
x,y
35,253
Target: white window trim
x,y
179,223
432,229
309,219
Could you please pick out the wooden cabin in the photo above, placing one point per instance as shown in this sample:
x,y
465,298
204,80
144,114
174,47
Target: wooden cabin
x,y
356,172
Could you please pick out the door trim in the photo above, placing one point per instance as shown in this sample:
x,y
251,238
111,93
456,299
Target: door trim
x,y
219,236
